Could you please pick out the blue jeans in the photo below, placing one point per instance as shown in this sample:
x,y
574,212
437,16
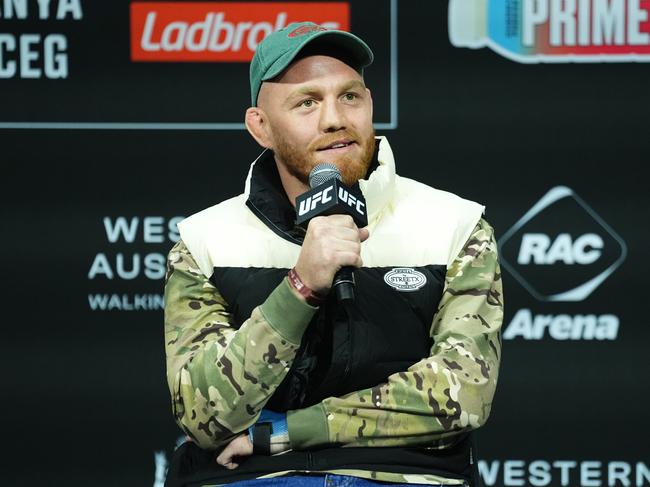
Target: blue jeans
x,y
322,480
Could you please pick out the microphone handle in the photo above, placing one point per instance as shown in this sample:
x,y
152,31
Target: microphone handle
x,y
344,284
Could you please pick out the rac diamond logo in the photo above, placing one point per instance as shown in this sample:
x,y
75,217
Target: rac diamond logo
x,y
561,249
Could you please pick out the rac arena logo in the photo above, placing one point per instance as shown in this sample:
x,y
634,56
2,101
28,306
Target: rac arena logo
x,y
554,31
561,250
219,32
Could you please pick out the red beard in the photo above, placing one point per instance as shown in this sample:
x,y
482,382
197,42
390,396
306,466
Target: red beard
x,y
299,163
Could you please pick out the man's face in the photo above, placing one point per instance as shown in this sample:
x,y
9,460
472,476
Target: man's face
x,y
319,110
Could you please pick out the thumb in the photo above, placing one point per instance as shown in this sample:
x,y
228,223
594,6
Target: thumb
x,y
364,233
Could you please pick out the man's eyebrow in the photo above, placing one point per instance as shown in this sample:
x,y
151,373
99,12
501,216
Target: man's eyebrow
x,y
305,90
355,83
311,90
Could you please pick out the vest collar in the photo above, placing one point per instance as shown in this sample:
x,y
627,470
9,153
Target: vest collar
x,y
266,198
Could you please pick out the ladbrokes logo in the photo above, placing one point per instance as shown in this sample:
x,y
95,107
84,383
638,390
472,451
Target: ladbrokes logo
x,y
561,250
219,32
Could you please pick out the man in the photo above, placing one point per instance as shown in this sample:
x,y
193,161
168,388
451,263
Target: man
x,y
260,352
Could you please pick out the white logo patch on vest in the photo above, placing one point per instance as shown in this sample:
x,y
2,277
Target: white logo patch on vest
x,y
405,279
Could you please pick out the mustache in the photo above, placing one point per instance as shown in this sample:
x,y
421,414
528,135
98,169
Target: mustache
x,y
325,141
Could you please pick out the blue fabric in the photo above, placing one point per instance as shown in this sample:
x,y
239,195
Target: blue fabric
x,y
320,480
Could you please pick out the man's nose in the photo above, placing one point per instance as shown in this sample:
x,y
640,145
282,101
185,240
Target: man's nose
x,y
332,117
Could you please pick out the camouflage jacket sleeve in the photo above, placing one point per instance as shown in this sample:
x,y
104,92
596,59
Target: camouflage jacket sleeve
x,y
220,377
441,395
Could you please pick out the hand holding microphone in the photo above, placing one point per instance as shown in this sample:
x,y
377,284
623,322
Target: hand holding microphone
x,y
333,214
331,243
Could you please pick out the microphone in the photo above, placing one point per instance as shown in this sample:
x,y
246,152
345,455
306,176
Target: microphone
x,y
329,196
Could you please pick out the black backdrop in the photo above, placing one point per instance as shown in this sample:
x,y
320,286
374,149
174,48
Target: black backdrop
x,y
84,396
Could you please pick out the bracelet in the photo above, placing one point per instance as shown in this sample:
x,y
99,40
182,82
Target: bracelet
x,y
260,436
312,298
269,435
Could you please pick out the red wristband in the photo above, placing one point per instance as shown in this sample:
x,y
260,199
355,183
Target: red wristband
x,y
312,298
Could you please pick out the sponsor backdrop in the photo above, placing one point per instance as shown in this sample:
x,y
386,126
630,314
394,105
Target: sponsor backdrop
x,y
117,119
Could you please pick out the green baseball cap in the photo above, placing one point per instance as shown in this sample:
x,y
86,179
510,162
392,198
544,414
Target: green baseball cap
x,y
281,47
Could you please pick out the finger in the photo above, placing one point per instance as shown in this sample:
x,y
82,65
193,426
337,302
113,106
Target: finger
x,y
349,259
225,456
229,464
344,234
364,233
342,221
350,234
346,246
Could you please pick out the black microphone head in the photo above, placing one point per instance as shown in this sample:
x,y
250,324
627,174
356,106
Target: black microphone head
x,y
322,173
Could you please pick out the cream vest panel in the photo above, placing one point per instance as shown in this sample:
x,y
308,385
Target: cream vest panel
x,y
420,226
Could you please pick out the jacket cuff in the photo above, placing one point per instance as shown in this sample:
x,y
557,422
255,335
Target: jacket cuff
x,y
308,427
286,313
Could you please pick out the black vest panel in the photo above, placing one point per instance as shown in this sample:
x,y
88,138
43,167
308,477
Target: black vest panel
x,y
344,349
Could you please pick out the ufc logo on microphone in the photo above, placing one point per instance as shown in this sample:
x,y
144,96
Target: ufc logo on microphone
x,y
309,204
351,201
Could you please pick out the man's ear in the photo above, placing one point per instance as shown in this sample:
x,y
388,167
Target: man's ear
x,y
370,97
258,126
